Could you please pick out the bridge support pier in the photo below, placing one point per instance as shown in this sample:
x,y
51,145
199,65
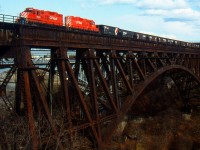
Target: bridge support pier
x,y
23,92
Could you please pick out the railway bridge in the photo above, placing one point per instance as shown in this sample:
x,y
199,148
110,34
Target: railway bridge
x,y
116,71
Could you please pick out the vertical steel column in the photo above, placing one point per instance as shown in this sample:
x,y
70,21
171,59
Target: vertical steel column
x,y
130,68
18,93
79,55
61,59
80,95
94,91
24,59
113,78
30,109
104,63
51,79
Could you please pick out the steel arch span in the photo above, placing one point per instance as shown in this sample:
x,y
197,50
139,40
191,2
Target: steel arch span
x,y
170,71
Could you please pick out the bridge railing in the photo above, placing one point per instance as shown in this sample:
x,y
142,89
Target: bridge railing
x,y
8,18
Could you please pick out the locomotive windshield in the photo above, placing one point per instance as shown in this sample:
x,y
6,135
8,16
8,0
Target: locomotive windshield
x,y
28,10
92,23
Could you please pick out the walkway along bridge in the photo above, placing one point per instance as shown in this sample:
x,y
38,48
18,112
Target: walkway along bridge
x,y
116,70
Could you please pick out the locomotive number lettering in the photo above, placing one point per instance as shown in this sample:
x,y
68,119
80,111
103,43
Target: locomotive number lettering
x,y
78,22
53,18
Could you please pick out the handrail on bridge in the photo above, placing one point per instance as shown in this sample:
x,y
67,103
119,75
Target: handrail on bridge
x,y
16,19
8,18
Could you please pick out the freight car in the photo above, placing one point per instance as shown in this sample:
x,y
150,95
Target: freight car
x,y
36,16
108,30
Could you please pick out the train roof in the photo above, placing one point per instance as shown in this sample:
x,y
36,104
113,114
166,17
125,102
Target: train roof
x,y
40,10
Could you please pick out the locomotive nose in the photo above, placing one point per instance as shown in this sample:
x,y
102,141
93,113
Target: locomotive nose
x,y
24,14
116,31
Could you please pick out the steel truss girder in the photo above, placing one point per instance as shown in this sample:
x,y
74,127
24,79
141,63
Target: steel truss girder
x,y
120,76
26,77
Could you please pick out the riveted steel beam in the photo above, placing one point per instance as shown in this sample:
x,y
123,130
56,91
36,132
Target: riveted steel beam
x,y
111,66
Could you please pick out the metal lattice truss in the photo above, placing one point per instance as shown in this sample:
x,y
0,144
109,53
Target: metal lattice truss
x,y
96,87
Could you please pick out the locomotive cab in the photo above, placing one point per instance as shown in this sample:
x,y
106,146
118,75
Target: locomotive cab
x,y
23,15
31,15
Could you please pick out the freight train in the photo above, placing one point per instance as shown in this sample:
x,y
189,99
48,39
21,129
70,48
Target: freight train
x,y
36,16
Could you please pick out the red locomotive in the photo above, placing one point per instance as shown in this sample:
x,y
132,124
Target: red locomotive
x,y
80,23
31,15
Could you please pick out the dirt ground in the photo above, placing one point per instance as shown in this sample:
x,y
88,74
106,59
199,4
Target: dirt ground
x,y
158,121
168,130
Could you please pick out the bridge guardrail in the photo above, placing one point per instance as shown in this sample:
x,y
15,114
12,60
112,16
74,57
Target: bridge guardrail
x,y
8,18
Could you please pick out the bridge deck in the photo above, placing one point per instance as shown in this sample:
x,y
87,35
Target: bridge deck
x,y
51,37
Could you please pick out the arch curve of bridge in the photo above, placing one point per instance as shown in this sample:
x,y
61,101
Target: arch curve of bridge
x,y
130,100
141,87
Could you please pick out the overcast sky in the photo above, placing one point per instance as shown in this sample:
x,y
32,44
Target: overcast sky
x,y
177,19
